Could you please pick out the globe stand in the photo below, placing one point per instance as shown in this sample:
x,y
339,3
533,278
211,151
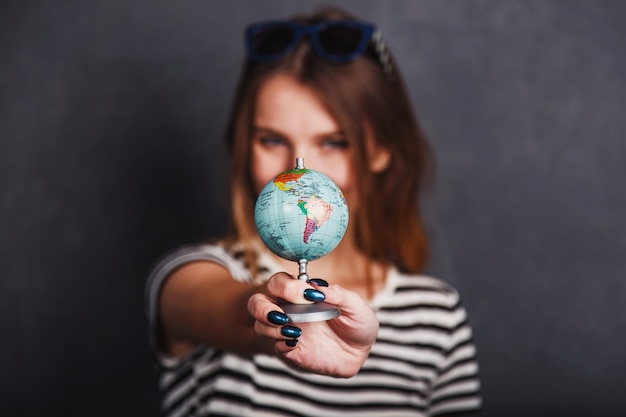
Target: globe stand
x,y
303,313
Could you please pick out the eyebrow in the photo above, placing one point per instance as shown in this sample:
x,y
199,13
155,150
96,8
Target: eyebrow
x,y
262,129
256,129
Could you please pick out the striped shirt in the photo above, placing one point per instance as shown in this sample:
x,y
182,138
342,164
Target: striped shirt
x,y
423,362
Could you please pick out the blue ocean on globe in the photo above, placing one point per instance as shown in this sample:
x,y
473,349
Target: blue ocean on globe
x,y
301,214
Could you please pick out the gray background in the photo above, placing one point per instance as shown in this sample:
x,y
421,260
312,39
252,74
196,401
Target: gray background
x,y
111,122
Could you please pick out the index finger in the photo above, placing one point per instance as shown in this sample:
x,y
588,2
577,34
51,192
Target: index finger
x,y
285,287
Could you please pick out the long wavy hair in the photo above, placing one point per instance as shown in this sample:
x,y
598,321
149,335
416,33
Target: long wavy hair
x,y
362,94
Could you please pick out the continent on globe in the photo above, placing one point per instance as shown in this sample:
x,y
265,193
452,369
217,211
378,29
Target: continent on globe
x,y
282,180
317,212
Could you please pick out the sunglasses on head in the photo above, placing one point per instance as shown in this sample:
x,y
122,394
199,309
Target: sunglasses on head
x,y
336,40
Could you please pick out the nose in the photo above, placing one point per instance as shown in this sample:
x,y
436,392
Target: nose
x,y
308,156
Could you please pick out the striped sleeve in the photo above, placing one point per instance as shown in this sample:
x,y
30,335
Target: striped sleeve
x,y
456,389
425,337
164,268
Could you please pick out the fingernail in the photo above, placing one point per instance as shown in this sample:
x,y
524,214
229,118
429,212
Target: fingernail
x,y
314,295
291,342
318,281
291,331
277,318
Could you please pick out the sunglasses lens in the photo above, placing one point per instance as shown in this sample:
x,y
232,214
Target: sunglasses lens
x,y
342,41
338,41
272,40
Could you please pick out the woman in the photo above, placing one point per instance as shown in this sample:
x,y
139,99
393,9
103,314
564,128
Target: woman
x,y
323,87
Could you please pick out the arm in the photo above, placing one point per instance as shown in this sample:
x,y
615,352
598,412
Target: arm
x,y
200,303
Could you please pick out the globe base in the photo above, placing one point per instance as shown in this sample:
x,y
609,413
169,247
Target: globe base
x,y
303,313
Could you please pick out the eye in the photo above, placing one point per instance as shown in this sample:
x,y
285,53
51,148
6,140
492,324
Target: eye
x,y
335,143
272,141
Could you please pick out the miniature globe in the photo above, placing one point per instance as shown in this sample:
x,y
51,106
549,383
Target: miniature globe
x,y
301,214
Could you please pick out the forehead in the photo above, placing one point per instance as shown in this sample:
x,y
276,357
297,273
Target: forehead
x,y
284,103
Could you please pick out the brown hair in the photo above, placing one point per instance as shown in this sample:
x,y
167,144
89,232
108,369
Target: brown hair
x,y
360,95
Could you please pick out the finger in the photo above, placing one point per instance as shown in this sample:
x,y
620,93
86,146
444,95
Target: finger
x,y
349,302
259,305
340,297
285,287
286,332
318,282
283,347
277,318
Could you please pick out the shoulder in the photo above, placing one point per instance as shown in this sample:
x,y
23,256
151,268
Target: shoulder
x,y
226,255
426,307
425,284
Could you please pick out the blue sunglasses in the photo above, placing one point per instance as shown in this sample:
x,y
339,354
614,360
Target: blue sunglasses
x,y
335,40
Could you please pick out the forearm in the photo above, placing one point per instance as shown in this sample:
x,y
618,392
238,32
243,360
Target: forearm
x,y
200,303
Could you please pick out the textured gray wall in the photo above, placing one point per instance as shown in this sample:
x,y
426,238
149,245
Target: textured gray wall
x,y
111,119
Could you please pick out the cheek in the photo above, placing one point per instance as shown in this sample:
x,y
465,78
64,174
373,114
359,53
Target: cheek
x,y
342,179
341,174
261,175
265,166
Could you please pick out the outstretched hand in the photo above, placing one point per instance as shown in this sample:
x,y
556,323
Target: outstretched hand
x,y
336,347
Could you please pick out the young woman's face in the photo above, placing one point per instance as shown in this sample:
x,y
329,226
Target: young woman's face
x,y
291,122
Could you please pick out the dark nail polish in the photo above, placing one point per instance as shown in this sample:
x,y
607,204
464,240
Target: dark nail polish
x,y
314,295
291,331
291,342
277,318
318,281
